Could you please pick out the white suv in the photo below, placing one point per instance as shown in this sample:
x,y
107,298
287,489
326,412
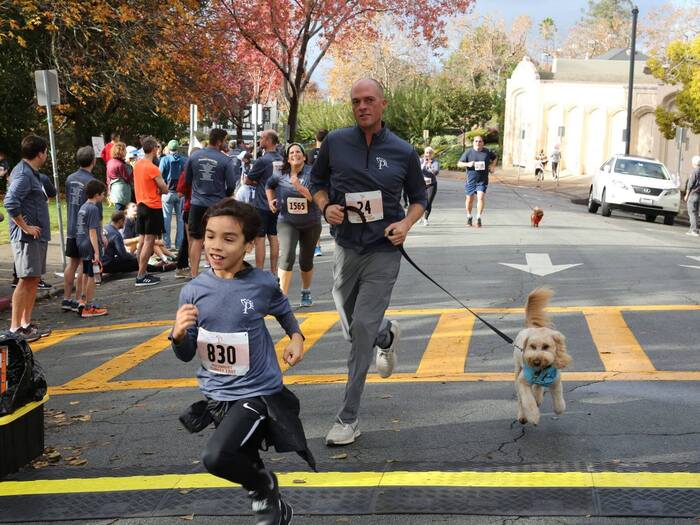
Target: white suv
x,y
635,184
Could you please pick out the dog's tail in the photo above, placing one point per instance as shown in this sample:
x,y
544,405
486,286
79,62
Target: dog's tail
x,y
534,308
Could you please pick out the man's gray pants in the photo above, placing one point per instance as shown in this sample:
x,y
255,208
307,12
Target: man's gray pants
x,y
362,292
693,205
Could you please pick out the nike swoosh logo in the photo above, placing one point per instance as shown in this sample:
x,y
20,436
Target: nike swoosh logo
x,y
246,405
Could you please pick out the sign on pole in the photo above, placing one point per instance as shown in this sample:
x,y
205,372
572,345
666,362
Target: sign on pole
x,y
47,88
193,127
426,135
98,144
47,94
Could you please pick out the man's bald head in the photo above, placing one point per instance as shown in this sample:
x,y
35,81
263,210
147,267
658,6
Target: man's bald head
x,y
368,82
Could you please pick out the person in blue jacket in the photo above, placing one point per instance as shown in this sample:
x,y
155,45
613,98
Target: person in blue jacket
x,y
356,182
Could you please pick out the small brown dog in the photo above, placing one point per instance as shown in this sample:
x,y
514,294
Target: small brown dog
x,y
536,217
540,352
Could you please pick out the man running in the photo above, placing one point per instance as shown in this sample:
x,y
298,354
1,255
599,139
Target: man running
x,y
479,162
357,181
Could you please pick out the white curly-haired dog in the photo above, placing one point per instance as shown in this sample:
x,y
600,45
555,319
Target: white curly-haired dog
x,y
540,352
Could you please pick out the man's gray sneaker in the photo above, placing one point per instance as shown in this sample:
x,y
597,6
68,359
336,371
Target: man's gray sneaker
x,y
343,433
386,357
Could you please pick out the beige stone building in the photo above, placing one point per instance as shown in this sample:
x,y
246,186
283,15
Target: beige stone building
x,y
582,105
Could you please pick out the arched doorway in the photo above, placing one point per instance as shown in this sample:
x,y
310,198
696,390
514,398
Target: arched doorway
x,y
618,122
644,140
594,153
571,150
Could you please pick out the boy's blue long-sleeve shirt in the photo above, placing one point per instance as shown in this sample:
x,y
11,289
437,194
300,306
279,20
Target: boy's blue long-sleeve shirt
x,y
238,305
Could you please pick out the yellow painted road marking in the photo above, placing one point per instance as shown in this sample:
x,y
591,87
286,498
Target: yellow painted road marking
x,y
618,347
324,379
313,328
653,480
448,347
61,335
100,376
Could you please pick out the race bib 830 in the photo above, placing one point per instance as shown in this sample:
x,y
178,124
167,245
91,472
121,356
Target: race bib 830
x,y
224,353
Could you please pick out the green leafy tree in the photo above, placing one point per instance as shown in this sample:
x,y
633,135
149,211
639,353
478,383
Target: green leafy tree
x,y
679,67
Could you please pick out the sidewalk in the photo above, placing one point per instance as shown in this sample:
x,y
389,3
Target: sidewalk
x,y
54,263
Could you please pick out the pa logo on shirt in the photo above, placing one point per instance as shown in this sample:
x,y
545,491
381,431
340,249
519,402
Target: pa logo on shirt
x,y
247,305
381,163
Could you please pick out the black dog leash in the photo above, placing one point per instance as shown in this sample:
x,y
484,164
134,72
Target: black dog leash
x,y
410,261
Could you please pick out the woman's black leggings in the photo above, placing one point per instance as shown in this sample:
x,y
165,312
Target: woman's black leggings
x,y
431,191
183,256
233,452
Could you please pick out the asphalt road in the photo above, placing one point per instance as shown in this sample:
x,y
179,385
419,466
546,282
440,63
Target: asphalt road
x,y
621,406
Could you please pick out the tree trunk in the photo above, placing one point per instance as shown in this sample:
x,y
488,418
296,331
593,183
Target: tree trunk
x,y
293,100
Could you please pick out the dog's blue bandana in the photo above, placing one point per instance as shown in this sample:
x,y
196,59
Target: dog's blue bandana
x,y
540,376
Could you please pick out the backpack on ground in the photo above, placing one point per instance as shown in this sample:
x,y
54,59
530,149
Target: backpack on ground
x,y
22,379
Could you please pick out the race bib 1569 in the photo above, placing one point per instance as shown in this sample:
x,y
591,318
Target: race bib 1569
x,y
369,202
224,353
297,205
479,165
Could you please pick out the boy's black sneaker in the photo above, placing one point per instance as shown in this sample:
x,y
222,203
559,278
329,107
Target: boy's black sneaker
x,y
43,285
478,222
147,280
268,506
469,221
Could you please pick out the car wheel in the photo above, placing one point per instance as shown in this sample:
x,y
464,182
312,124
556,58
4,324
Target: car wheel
x,y
605,209
592,205
651,217
669,220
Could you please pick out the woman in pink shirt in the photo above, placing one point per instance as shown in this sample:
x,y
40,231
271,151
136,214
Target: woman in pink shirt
x,y
119,177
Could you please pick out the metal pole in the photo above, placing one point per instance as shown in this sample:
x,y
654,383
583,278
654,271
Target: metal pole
x,y
49,119
681,138
630,84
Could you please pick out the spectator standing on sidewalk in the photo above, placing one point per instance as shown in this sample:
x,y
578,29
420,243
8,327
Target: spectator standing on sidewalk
x,y
366,167
107,150
88,238
258,176
212,176
119,177
183,256
4,172
149,186
692,196
171,166
30,231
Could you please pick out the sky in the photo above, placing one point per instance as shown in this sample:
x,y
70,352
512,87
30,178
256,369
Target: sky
x,y
565,14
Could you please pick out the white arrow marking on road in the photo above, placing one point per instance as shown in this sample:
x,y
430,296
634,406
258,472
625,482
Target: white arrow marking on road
x,y
540,264
695,258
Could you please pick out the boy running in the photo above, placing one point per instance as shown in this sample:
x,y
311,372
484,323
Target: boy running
x,y
221,320
87,235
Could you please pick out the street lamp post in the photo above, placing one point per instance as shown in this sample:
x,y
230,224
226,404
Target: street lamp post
x,y
630,82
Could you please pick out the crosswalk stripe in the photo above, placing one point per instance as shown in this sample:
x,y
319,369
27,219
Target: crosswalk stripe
x,y
448,347
618,347
120,364
313,327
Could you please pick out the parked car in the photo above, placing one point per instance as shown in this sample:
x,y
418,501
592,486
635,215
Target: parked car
x,y
637,185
